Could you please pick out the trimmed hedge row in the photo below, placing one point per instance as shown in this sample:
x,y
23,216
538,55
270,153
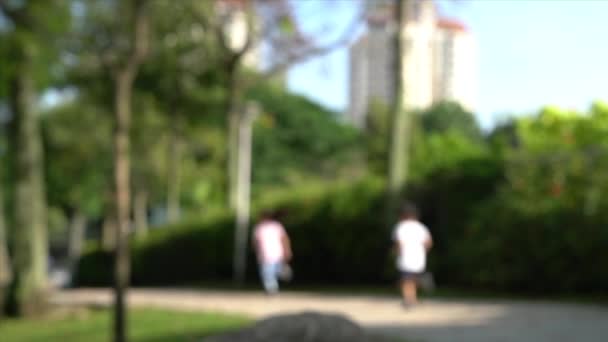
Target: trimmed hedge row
x,y
340,236
559,251
178,254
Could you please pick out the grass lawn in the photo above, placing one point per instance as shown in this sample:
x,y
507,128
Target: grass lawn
x,y
149,325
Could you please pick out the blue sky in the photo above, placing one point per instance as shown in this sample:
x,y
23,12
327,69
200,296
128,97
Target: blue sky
x,y
531,53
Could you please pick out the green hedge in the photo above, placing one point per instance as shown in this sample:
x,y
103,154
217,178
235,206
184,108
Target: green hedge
x,y
450,199
186,252
340,236
558,251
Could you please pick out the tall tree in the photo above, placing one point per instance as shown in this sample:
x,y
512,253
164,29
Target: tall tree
x,y
124,71
28,41
399,122
113,38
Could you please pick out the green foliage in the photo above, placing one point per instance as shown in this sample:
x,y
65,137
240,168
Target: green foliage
x,y
78,143
376,137
28,24
149,147
436,151
556,251
451,197
296,140
183,72
78,151
559,162
443,134
543,229
446,117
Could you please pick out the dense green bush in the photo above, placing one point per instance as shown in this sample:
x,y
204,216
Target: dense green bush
x,y
483,238
187,252
338,235
341,237
450,198
557,252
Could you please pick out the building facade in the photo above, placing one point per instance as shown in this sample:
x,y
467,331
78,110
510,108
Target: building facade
x,y
455,64
438,62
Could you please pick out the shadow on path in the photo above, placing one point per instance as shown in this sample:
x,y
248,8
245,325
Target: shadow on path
x,y
505,322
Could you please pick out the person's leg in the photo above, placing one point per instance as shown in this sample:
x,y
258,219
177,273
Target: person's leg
x,y
269,278
276,272
408,290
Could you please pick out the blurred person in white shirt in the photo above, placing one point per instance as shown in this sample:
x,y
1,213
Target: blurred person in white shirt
x,y
412,242
273,249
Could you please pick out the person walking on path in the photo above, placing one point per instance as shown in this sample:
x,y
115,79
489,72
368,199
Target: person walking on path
x,y
273,249
412,242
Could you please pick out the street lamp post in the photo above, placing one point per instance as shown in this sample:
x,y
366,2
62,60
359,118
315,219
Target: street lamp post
x,y
243,192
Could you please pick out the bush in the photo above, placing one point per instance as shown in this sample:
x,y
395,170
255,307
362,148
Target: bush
x,y
557,251
186,252
450,198
483,239
338,236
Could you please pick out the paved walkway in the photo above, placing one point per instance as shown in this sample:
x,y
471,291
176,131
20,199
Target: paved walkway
x,y
432,321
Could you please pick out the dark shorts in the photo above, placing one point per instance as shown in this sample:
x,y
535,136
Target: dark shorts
x,y
406,275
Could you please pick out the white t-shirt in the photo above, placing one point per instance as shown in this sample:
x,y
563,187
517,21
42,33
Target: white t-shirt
x,y
411,236
268,236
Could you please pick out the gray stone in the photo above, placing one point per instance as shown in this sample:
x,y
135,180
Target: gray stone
x,y
301,327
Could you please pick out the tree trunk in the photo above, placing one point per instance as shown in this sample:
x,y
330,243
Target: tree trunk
x,y
140,213
30,231
174,171
122,111
78,224
243,195
6,273
399,135
124,76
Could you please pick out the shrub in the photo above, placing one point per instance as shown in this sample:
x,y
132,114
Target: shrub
x,y
484,239
338,235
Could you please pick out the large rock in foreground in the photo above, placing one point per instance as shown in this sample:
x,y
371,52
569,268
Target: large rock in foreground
x,y
302,327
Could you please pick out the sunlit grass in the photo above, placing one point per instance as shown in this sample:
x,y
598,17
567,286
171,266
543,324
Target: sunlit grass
x,y
149,325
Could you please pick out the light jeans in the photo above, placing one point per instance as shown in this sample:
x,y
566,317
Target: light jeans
x,y
269,273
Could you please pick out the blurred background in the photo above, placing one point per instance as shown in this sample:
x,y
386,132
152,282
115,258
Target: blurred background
x,y
141,139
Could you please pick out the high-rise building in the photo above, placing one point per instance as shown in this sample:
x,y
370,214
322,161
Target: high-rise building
x,y
371,65
438,61
455,64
